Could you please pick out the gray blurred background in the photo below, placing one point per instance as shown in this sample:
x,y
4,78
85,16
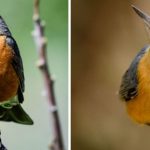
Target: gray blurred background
x,y
18,16
106,35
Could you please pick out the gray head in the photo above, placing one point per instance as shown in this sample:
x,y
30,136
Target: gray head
x,y
4,28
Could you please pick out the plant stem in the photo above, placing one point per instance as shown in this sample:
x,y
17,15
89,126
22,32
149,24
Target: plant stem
x,y
41,45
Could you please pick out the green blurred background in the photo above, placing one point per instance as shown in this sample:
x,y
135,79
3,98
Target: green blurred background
x,y
18,16
106,35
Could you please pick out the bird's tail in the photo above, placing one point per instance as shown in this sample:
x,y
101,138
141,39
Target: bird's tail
x,y
16,114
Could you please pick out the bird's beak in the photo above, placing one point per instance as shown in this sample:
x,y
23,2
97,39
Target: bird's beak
x,y
143,15
4,28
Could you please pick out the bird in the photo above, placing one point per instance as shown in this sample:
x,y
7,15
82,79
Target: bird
x,y
135,83
12,79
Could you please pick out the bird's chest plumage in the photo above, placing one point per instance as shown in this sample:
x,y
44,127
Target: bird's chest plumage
x,y
8,78
139,107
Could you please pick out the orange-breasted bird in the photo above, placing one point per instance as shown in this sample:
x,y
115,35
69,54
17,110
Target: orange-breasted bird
x,y
135,86
11,79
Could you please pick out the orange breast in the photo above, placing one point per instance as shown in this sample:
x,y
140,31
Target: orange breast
x,y
8,78
139,107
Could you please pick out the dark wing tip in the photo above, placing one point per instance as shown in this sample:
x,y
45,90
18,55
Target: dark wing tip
x,y
138,11
4,28
141,14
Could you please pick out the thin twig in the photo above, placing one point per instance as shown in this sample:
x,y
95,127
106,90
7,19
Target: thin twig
x,y
41,45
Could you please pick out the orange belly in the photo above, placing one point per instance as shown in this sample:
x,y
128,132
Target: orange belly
x,y
139,107
8,84
8,78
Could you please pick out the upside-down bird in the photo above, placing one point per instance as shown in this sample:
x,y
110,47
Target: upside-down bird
x,y
11,79
135,86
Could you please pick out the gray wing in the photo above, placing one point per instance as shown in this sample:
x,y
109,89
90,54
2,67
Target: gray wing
x,y
128,89
18,66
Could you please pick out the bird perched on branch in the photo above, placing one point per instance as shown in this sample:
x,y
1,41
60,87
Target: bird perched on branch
x,y
11,79
135,86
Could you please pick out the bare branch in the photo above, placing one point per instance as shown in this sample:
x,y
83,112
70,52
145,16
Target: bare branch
x,y
41,46
36,7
